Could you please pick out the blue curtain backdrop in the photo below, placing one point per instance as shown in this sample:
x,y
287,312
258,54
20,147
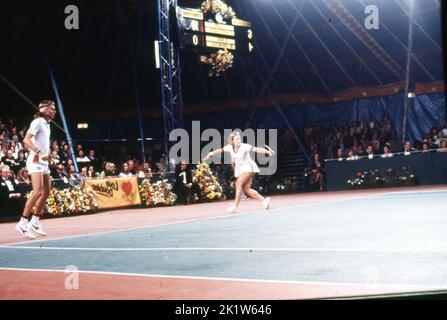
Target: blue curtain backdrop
x,y
424,112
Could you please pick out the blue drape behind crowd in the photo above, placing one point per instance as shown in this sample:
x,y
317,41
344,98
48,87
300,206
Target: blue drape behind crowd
x,y
424,112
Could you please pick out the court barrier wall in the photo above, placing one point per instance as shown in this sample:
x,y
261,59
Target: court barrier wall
x,y
429,168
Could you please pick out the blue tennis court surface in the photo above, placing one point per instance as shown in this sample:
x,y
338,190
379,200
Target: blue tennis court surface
x,y
395,238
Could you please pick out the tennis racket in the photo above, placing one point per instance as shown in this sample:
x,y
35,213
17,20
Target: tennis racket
x,y
76,181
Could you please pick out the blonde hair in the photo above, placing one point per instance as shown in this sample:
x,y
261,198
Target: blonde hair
x,y
233,135
110,166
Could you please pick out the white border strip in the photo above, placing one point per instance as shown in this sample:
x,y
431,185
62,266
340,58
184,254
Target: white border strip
x,y
246,249
409,286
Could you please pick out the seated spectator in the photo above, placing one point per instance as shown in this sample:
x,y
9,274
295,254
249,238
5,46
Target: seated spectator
x,y
60,177
340,154
69,164
9,160
21,161
12,147
184,186
352,155
369,153
375,142
18,144
109,170
22,132
434,133
425,147
71,169
131,165
91,172
64,154
10,203
125,172
387,151
359,151
93,160
444,130
408,148
83,172
24,185
443,147
145,171
55,157
428,139
439,138
82,158
55,145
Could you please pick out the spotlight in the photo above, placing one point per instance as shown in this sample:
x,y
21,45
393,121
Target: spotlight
x,y
82,125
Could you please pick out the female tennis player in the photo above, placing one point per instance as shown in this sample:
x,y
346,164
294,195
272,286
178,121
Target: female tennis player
x,y
244,168
37,140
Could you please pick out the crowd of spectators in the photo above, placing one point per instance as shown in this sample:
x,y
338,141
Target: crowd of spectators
x,y
114,159
363,139
366,137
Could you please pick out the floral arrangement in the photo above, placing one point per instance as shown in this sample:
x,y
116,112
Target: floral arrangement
x,y
69,201
146,192
158,193
218,6
377,178
209,186
222,59
219,62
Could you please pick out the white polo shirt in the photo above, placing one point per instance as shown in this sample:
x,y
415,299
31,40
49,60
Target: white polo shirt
x,y
242,155
242,159
40,129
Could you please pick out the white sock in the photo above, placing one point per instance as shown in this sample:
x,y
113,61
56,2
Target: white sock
x,y
23,221
35,219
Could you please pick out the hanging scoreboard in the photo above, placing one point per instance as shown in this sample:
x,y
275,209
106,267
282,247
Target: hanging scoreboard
x,y
209,32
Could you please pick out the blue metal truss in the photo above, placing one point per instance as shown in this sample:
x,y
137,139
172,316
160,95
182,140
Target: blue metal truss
x,y
170,72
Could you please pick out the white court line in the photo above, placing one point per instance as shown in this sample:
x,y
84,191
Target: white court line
x,y
392,193
368,284
206,218
246,249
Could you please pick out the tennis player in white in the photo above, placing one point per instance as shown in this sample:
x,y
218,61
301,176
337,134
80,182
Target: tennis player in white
x,y
37,140
244,168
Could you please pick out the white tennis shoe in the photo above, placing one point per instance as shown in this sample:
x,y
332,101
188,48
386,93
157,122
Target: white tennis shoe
x,y
37,228
232,209
24,230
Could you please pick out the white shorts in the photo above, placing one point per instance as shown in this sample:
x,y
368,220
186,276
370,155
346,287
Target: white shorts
x,y
36,167
249,166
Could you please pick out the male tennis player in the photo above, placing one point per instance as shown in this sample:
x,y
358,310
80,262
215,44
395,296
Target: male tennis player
x,y
37,140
